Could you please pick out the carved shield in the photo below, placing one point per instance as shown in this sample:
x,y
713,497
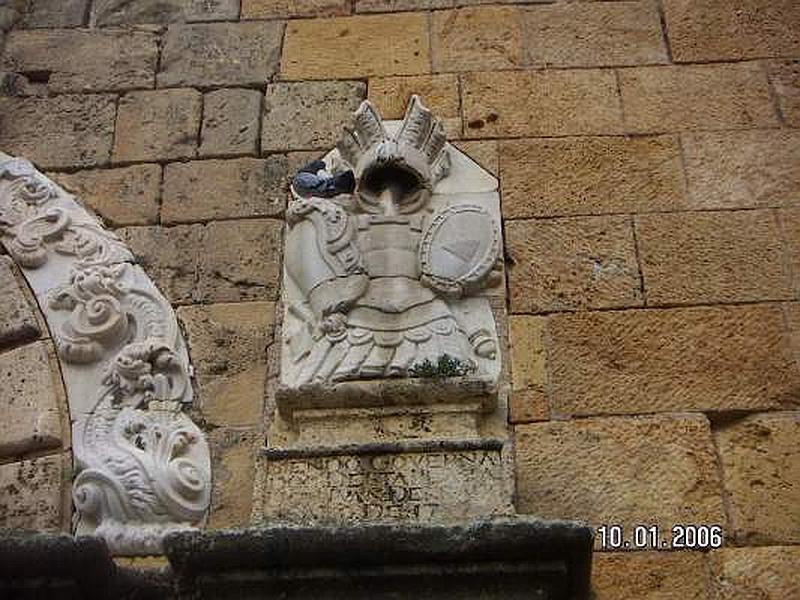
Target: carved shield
x,y
459,248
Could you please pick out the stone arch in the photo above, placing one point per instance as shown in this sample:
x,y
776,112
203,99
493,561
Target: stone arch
x,y
141,467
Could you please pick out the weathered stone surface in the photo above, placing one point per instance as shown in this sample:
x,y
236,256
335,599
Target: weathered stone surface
x,y
564,264
170,256
732,29
230,122
785,78
650,576
123,196
210,54
82,60
472,39
18,322
792,311
425,487
225,261
483,152
307,115
709,257
590,175
118,12
224,189
228,345
761,469
555,103
358,46
790,227
439,93
593,34
729,96
742,169
628,471
58,132
529,400
157,125
54,13
233,458
31,399
32,494
281,9
755,572
722,358
367,6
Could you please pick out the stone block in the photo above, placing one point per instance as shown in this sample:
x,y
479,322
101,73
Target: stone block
x,y
244,187
157,125
32,401
742,169
767,573
790,228
170,256
83,60
307,115
54,13
59,132
575,263
590,175
33,493
439,93
680,98
556,103
710,359
718,30
228,345
18,323
439,484
124,12
230,122
529,398
650,575
202,54
785,78
657,470
483,152
593,34
761,470
224,261
122,196
282,9
359,46
233,458
366,6
241,261
710,257
473,39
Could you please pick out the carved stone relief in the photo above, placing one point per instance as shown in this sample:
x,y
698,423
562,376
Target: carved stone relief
x,y
393,240
142,466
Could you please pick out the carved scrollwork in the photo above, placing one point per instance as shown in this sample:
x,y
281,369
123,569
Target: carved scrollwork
x,y
142,465
142,472
34,223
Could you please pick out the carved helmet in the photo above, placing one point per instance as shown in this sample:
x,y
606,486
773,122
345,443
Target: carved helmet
x,y
410,161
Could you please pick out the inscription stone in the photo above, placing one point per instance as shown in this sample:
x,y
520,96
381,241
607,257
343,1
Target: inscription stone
x,y
423,487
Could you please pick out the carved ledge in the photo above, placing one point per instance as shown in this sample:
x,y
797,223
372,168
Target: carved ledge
x,y
142,467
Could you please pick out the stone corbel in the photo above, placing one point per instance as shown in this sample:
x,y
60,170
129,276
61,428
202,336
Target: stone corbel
x,y
142,467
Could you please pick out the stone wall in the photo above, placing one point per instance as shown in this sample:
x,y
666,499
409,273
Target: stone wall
x,y
650,179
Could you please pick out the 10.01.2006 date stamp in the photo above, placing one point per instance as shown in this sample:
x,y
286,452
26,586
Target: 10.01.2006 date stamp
x,y
650,537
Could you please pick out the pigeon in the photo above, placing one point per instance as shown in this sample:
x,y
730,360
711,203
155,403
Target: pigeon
x,y
315,180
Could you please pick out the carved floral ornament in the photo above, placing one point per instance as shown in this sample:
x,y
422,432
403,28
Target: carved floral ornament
x,y
393,244
142,466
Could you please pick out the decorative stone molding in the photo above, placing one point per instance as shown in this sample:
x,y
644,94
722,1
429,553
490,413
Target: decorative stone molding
x,y
142,467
